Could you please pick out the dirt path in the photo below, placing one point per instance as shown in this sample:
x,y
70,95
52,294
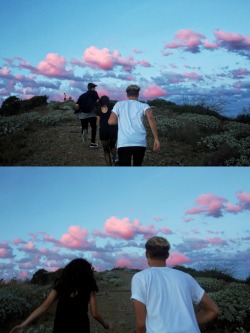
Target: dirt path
x,y
62,145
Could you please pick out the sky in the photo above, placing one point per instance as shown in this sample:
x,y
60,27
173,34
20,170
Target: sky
x,y
183,50
49,216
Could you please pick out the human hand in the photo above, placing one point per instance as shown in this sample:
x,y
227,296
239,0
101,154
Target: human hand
x,y
17,329
156,146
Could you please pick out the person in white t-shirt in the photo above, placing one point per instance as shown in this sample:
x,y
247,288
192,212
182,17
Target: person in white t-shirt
x,y
163,297
131,143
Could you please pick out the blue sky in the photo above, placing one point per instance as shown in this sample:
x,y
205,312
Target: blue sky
x,y
51,215
179,50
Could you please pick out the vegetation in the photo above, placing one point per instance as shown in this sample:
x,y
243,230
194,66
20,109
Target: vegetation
x,y
13,105
199,129
18,299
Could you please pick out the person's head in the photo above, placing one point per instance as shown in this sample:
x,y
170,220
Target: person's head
x,y
104,101
133,90
91,86
77,275
157,248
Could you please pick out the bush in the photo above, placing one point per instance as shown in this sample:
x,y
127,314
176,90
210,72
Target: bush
x,y
160,103
11,306
10,106
234,306
33,102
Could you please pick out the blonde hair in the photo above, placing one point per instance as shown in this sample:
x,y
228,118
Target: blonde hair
x,y
158,247
133,90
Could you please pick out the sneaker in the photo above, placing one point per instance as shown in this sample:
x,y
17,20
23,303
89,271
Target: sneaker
x,y
115,161
93,145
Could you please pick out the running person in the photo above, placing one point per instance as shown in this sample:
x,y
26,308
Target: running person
x,y
131,131
89,100
107,133
74,291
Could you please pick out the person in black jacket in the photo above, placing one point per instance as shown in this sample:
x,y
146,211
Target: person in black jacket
x,y
85,108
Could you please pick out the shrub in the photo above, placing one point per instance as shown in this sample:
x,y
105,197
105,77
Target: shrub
x,y
11,306
33,102
160,103
234,306
210,284
10,106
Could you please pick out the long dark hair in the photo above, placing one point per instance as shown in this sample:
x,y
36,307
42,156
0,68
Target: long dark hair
x,y
77,277
104,100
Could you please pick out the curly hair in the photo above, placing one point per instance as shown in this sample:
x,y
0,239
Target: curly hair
x,y
77,276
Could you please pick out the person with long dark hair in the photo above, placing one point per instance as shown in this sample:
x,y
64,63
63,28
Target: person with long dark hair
x,y
75,291
107,133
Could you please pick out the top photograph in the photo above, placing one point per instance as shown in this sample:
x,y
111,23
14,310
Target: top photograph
x,y
125,83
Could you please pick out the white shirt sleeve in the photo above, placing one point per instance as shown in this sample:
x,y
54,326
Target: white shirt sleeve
x,y
137,289
197,291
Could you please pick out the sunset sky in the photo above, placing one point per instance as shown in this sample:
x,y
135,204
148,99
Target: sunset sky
x,y
49,216
180,50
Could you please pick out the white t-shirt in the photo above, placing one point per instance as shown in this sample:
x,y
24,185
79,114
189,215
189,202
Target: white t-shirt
x,y
131,131
168,295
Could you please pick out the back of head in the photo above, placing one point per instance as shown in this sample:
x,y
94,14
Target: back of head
x,y
91,85
133,90
158,248
78,275
104,100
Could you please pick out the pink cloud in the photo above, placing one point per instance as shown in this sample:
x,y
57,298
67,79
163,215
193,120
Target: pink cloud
x,y
216,241
117,228
153,91
29,246
232,209
18,241
125,229
124,262
4,71
53,65
192,76
145,63
177,258
244,200
209,204
76,238
240,73
188,40
209,45
166,231
23,275
106,59
232,41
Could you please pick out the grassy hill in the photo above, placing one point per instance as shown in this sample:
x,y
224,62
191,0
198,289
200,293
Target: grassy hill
x,y
17,299
49,135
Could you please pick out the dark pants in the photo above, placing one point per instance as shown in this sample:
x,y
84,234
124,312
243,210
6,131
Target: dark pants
x,y
126,154
85,122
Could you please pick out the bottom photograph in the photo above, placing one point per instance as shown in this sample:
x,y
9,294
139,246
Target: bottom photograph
x,y
159,250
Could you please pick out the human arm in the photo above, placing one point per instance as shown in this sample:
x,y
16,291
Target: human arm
x,y
77,107
95,312
98,120
140,314
36,313
152,125
208,310
113,120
